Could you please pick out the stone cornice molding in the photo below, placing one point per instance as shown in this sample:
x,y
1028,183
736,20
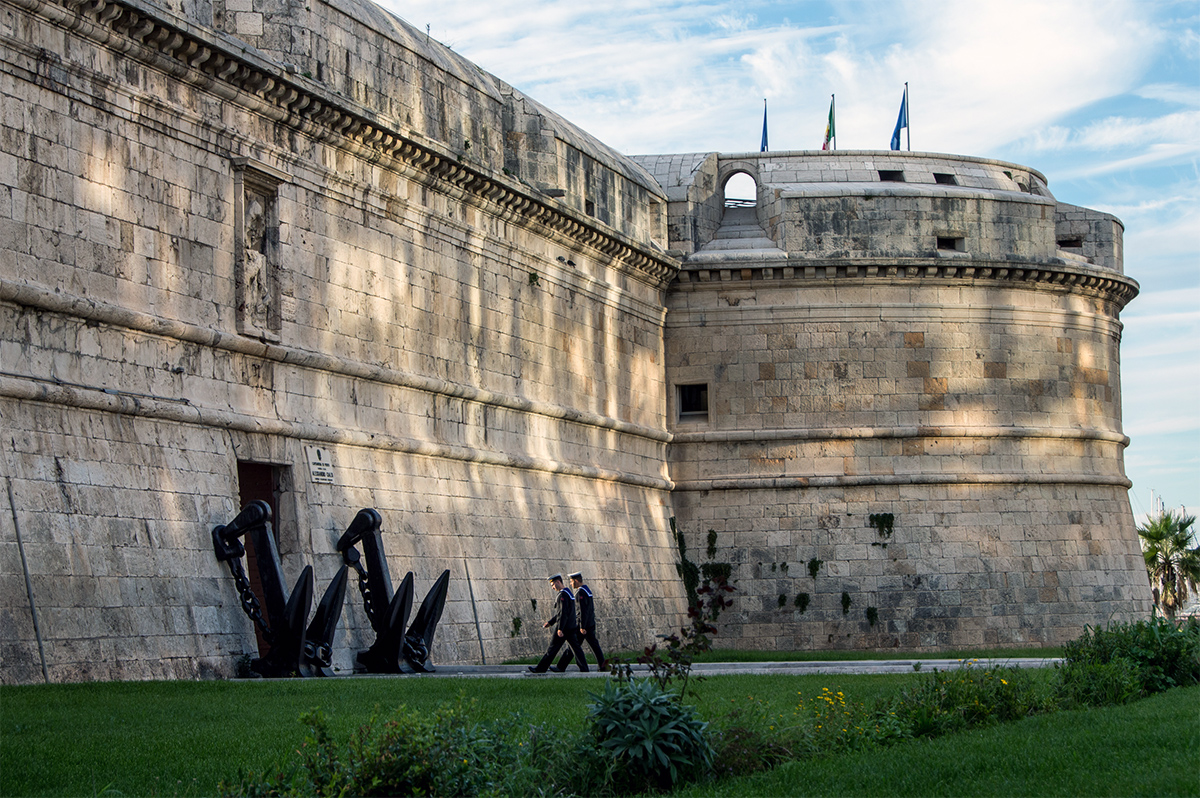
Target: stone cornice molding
x,y
237,72
862,433
868,480
1053,274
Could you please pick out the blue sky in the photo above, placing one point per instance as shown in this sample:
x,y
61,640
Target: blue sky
x,y
1101,96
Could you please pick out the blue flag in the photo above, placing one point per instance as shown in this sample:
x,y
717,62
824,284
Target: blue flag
x,y
901,121
764,141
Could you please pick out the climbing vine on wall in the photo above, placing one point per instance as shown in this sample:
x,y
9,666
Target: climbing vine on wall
x,y
688,571
884,524
691,573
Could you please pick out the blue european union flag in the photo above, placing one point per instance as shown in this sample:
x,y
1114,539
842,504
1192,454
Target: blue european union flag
x,y
901,121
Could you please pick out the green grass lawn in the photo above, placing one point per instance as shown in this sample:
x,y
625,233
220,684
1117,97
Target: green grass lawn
x,y
181,738
1149,747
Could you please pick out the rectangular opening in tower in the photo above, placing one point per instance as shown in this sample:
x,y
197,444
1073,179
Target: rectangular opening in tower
x,y
944,179
693,402
891,176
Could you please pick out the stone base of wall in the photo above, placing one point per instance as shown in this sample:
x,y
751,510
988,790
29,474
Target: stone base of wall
x,y
965,566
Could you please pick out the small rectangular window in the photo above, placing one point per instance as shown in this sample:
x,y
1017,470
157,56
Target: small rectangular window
x,y
589,207
944,179
891,176
1070,243
951,243
693,401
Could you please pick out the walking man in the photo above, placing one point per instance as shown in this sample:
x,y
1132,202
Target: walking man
x,y
587,623
566,631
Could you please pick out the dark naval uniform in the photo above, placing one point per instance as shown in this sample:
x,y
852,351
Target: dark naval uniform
x,y
569,628
587,628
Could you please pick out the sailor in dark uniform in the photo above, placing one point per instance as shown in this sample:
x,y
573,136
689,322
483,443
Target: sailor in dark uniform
x,y
587,622
567,630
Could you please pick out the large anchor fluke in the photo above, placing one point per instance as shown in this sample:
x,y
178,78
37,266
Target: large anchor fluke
x,y
419,639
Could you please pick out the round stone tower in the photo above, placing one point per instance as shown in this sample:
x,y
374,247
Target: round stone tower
x,y
895,400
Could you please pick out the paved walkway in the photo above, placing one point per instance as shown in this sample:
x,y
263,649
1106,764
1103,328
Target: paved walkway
x,y
764,668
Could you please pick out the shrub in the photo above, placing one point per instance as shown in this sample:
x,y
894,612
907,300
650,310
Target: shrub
x,y
948,701
748,739
646,737
830,724
411,753
1098,684
1164,654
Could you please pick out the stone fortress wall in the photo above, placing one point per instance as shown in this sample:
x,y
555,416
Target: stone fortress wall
x,y
218,265
242,236
912,374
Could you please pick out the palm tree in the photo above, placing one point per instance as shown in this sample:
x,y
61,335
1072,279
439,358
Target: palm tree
x,y
1172,559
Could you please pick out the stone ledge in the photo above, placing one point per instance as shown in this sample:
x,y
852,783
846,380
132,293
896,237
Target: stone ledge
x,y
1056,272
858,433
783,482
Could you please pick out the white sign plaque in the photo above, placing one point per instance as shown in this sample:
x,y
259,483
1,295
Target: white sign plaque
x,y
320,465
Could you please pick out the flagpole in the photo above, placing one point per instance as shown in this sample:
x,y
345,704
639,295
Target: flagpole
x,y
907,118
833,114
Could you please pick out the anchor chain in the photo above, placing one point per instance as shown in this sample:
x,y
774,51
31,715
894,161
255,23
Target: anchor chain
x,y
364,589
250,603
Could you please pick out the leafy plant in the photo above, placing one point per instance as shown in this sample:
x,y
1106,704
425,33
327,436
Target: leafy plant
x,y
712,543
749,739
846,602
688,571
673,661
653,740
716,572
814,565
413,753
782,600
949,701
1164,654
1098,684
801,601
516,626
872,616
883,523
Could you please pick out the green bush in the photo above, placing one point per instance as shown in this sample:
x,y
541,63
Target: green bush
x,y
749,739
1098,684
949,701
412,753
829,723
1164,654
643,738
